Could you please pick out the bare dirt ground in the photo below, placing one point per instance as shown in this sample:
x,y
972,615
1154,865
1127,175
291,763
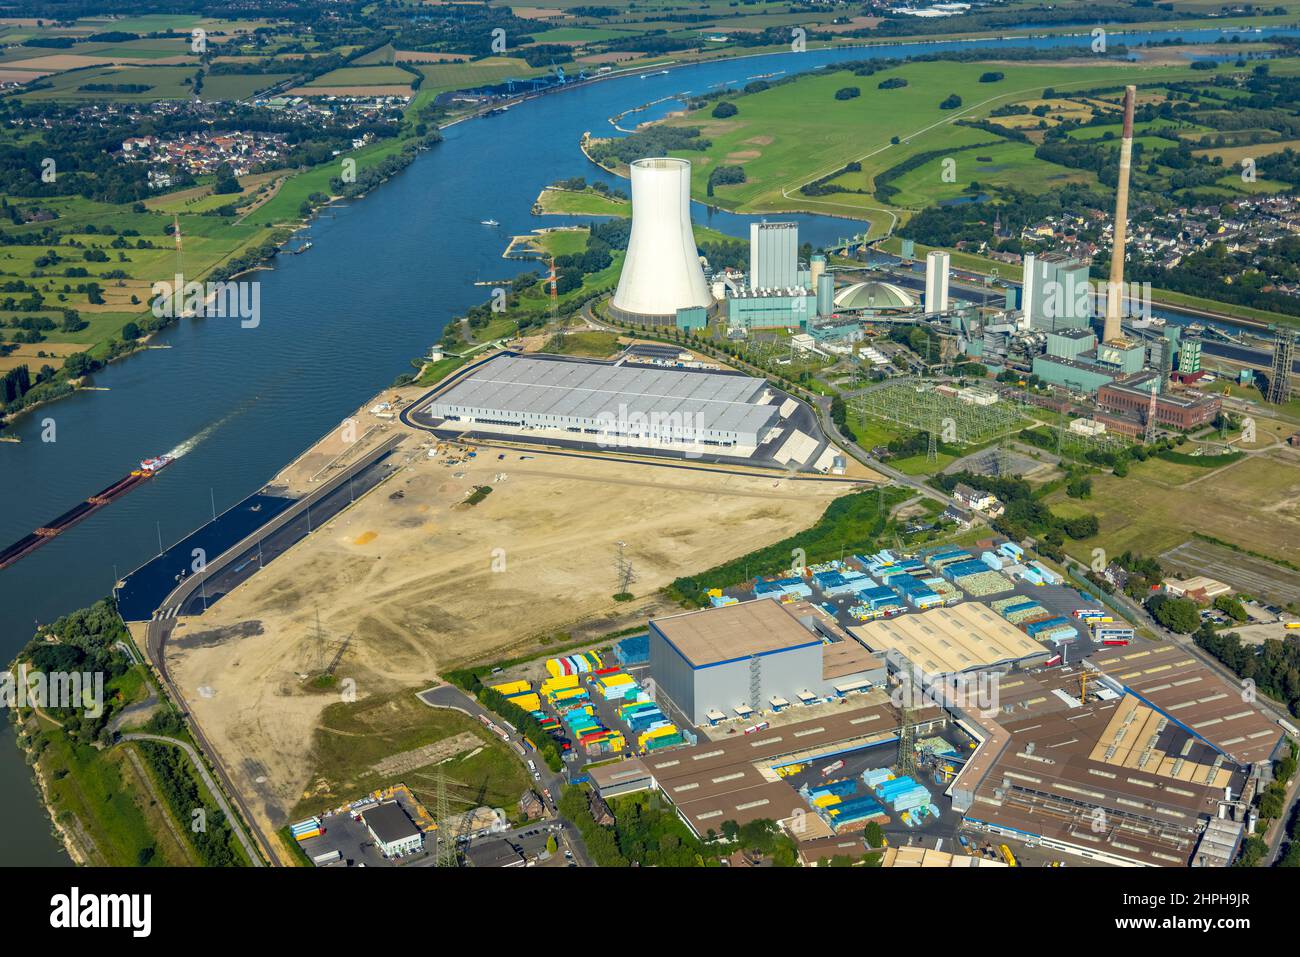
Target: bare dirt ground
x,y
416,581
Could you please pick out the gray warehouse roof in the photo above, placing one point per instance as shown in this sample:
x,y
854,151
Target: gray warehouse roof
x,y
389,822
587,390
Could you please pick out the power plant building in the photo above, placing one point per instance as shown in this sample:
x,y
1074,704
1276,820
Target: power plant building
x,y
614,405
1056,292
661,272
773,255
936,281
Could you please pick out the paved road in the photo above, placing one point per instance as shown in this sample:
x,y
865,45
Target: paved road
x,y
449,696
158,631
235,824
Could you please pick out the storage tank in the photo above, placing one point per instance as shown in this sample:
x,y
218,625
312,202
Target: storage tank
x,y
662,272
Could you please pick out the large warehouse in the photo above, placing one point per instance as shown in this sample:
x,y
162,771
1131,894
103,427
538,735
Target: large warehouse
x,y
613,405
754,655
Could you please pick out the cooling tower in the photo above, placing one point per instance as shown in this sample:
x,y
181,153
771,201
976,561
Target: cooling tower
x,y
1112,329
661,273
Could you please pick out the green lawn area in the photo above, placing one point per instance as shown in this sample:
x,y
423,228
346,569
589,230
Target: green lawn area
x,y
353,737
599,345
997,166
585,203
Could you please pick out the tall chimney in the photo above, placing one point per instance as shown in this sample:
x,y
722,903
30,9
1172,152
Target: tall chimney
x,y
1115,290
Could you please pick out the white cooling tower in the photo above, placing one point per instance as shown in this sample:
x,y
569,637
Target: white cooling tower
x,y
661,273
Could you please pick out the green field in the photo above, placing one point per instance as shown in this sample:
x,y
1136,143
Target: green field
x,y
443,77
364,76
585,203
353,737
1253,503
770,135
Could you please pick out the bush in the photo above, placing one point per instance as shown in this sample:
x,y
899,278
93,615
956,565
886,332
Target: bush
x,y
951,103
724,110
992,76
847,92
1176,614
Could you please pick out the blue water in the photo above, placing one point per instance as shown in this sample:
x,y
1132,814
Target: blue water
x,y
384,276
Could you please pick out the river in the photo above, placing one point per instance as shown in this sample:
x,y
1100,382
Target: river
x,y
338,323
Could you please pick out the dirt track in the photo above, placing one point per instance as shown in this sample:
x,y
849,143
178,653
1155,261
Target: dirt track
x,y
419,582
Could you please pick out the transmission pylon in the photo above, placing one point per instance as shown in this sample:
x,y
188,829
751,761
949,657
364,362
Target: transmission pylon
x,y
932,451
623,564
445,841
906,742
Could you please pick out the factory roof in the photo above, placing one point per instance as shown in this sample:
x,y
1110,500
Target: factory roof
x,y
389,822
1171,680
717,781
717,635
1050,760
950,639
587,390
874,295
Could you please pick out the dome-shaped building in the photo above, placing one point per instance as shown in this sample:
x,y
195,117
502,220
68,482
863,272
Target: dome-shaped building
x,y
874,296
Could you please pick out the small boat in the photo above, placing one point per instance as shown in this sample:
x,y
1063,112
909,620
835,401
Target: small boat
x,y
488,222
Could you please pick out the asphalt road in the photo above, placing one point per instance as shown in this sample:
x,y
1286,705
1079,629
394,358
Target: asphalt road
x,y
159,630
449,696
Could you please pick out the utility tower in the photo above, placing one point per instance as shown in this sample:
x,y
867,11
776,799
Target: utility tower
x,y
623,564
906,743
1279,380
932,452
445,850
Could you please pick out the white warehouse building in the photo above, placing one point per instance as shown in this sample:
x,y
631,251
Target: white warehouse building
x,y
613,405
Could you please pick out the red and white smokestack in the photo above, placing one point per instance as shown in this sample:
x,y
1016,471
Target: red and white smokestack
x,y
1115,290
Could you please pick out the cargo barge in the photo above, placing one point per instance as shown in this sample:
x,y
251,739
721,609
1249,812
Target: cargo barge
x,y
29,543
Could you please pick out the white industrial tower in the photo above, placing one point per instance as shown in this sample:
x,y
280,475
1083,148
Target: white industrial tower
x,y
936,281
661,273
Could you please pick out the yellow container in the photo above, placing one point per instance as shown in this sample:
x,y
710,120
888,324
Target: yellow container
x,y
512,687
559,683
529,702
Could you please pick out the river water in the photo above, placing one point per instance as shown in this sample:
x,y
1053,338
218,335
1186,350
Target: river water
x,y
338,323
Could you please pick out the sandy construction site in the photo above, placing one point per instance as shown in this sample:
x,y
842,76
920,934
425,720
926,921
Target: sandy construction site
x,y
414,579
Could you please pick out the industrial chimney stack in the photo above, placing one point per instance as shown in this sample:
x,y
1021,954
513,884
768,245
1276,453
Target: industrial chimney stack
x,y
1115,290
